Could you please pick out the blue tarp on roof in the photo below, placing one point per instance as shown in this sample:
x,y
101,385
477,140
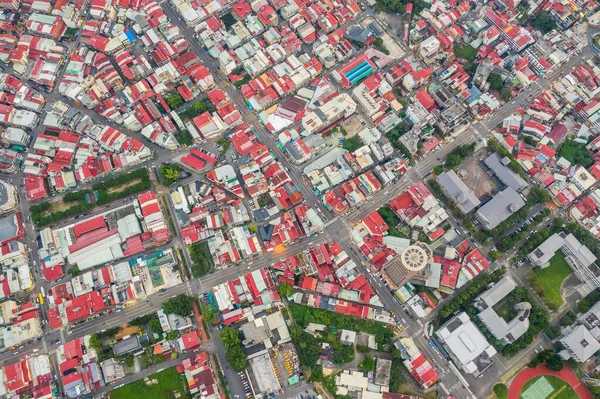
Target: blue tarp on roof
x,y
130,36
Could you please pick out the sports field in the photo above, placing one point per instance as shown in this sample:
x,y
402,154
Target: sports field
x,y
547,386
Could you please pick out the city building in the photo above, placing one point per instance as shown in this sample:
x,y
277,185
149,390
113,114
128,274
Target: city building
x,y
467,346
504,331
579,344
499,208
8,197
412,263
457,190
579,257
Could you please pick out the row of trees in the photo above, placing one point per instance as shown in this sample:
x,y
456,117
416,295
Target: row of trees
x,y
507,242
202,261
497,147
42,215
458,155
550,358
380,45
235,355
460,302
588,301
305,315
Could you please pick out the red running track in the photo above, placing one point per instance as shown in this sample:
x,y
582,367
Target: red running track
x,y
514,391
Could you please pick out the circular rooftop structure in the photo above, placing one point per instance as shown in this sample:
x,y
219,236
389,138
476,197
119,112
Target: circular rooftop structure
x,y
414,258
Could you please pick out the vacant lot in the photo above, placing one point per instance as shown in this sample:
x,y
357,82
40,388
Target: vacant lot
x,y
551,278
477,179
576,153
164,384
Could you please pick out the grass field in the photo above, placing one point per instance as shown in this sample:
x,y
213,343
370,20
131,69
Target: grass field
x,y
164,384
551,278
562,390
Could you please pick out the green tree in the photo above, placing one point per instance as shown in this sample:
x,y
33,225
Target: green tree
x,y
396,353
95,342
553,332
379,45
230,337
438,170
285,290
352,144
496,81
129,361
494,255
308,346
543,22
576,153
172,335
506,94
368,363
252,229
567,319
169,173
175,100
501,391
73,270
236,358
558,223
155,326
181,305
342,354
209,313
465,51
555,363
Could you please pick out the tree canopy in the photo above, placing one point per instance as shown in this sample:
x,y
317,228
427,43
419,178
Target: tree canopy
x,y
230,337
169,173
496,81
286,290
368,363
543,22
209,313
175,100
576,153
465,51
236,358
95,342
181,305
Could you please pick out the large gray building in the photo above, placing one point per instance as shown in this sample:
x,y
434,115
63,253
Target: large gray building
x,y
499,166
499,208
464,198
502,330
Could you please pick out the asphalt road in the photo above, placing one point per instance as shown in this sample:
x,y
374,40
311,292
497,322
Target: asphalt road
x,y
337,228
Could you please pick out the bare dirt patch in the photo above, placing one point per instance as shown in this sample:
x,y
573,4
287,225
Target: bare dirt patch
x,y
122,187
476,178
